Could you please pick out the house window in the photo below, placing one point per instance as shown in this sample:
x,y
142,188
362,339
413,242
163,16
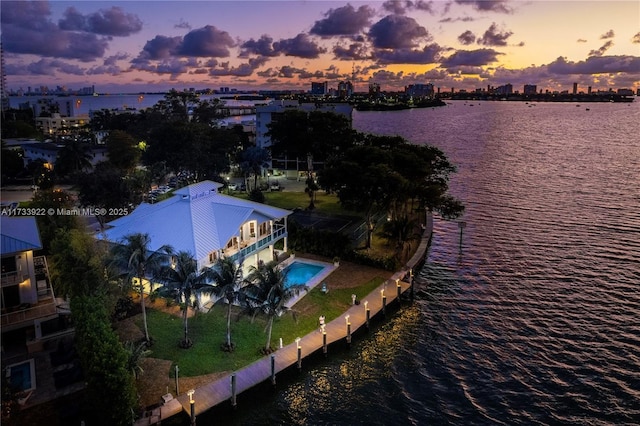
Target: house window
x,y
213,256
252,229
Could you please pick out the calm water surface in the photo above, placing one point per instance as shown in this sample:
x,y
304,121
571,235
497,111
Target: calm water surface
x,y
535,318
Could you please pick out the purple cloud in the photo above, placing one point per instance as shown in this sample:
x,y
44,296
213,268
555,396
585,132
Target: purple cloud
x,y
400,7
355,51
478,57
581,40
242,70
493,37
344,20
26,29
263,47
601,51
159,47
428,55
487,5
206,41
397,32
608,34
636,38
109,22
300,46
596,65
467,37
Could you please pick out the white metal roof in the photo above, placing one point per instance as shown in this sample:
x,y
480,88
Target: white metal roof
x,y
196,219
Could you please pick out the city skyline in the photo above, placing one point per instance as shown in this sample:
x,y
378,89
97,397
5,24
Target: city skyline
x,y
135,46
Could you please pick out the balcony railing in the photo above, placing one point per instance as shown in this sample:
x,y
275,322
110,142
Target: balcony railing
x,y
12,278
25,313
235,254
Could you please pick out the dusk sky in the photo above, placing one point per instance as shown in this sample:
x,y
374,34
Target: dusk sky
x,y
132,46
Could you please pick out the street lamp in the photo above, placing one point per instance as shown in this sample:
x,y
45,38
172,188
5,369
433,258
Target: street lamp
x,y
228,189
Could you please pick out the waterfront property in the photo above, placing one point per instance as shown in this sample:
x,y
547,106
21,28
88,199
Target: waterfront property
x,y
208,224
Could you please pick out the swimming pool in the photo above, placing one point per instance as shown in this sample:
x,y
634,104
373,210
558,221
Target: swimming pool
x,y
22,375
300,273
307,272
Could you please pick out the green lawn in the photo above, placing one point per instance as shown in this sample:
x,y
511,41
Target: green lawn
x,y
327,204
208,331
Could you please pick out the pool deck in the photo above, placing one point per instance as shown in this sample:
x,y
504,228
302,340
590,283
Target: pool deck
x,y
221,390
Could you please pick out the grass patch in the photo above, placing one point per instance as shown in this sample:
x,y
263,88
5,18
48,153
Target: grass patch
x,y
208,331
327,204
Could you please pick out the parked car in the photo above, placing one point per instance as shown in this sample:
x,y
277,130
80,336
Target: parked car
x,y
275,186
233,186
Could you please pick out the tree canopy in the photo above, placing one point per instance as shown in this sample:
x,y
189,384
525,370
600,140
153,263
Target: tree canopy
x,y
385,175
317,133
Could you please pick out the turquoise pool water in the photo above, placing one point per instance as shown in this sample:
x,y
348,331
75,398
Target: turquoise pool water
x,y
20,376
300,273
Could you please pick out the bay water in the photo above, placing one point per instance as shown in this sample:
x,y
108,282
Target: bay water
x,y
533,316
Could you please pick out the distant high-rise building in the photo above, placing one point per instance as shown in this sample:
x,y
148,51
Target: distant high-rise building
x,y
319,88
374,89
589,90
530,89
575,88
4,96
345,89
420,90
507,89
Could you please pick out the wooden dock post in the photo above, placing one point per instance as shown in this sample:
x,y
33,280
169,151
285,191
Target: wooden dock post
x,y
177,387
299,353
367,313
411,283
384,302
233,391
399,290
273,369
348,330
324,341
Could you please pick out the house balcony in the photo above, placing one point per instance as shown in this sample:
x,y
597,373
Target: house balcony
x,y
254,244
13,278
25,313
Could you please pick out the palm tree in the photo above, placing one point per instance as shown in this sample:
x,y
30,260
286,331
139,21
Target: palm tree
x,y
133,258
182,280
229,288
268,295
254,159
74,157
136,353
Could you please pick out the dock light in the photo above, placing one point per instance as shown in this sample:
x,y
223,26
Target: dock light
x,y
397,282
192,402
384,302
299,353
367,313
346,318
298,342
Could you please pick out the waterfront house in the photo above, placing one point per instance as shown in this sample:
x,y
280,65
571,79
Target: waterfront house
x,y
208,224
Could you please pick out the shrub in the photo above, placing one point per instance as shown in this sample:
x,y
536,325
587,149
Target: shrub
x,y
256,195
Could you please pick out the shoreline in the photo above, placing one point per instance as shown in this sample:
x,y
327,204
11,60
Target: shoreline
x,y
230,385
